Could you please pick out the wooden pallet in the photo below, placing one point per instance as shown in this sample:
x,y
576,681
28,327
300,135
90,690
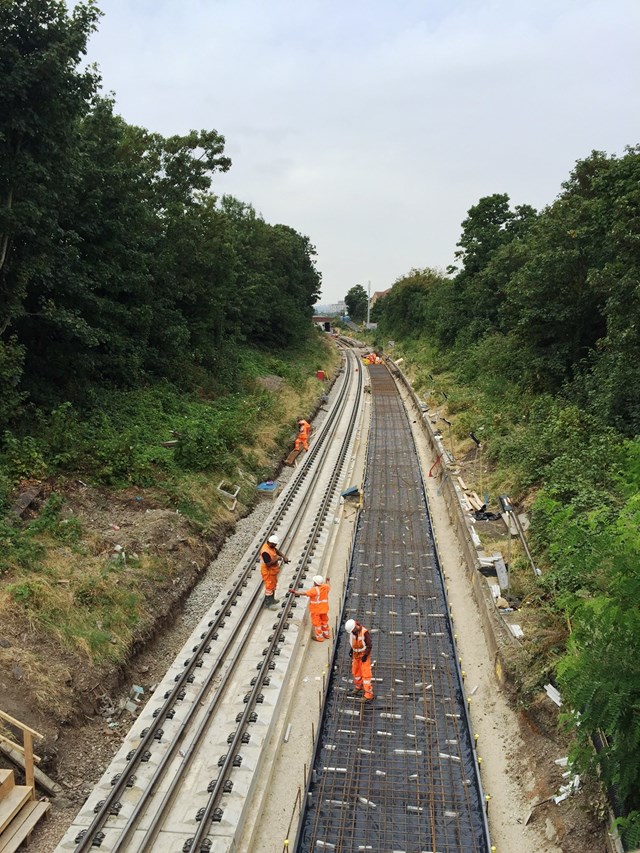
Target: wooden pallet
x,y
19,809
19,812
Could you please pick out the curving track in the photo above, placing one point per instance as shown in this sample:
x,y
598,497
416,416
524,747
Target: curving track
x,y
191,762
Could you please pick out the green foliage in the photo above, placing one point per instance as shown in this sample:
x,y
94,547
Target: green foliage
x,y
42,96
17,549
356,301
11,362
25,593
23,457
67,530
629,829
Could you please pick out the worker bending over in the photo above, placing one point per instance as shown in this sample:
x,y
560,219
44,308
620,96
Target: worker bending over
x,y
270,561
304,431
360,654
318,607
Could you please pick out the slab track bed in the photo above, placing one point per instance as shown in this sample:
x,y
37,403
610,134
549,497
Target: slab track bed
x,y
399,773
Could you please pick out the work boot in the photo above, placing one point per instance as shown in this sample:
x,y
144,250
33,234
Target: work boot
x,y
270,602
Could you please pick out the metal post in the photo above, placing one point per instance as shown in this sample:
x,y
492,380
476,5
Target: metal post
x,y
508,509
368,302
508,554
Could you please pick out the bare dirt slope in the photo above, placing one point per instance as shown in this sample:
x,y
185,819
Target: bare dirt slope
x,y
47,683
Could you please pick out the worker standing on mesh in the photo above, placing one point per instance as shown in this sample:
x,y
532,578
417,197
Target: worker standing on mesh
x,y
360,654
318,607
270,561
304,431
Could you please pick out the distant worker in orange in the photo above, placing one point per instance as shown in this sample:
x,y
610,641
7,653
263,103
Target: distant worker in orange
x,y
270,561
360,653
304,431
318,607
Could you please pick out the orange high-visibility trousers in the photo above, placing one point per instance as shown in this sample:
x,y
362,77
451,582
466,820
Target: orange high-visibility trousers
x,y
361,672
270,578
320,622
300,442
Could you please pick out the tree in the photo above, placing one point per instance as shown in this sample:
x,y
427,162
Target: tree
x,y
91,305
409,310
490,249
356,301
43,93
573,306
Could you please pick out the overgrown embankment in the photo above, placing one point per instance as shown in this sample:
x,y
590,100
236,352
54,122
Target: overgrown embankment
x,y
123,526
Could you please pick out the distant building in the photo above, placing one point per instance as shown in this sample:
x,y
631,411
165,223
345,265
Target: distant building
x,y
322,322
336,309
378,295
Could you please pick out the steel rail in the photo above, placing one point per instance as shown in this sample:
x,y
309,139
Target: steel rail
x,y
156,823
219,786
91,836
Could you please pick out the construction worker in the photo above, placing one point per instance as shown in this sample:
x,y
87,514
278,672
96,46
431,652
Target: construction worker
x,y
360,654
270,561
304,431
318,607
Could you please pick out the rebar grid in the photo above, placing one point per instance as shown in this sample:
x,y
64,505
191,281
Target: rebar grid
x,y
397,774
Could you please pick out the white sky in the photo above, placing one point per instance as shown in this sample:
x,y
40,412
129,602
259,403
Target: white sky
x,y
373,126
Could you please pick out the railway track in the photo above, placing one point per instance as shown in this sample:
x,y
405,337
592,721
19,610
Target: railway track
x,y
400,773
191,762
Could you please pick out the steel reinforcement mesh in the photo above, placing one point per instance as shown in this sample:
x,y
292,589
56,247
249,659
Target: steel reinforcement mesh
x,y
399,773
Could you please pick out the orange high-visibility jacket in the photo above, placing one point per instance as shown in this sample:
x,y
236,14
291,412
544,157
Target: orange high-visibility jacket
x,y
318,598
304,429
361,642
272,553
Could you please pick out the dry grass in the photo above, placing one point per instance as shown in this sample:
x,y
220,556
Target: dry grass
x,y
47,681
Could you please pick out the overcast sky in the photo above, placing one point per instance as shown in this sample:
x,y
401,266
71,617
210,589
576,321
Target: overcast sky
x,y
373,126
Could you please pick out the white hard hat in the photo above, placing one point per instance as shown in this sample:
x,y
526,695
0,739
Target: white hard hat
x,y
273,539
318,579
349,625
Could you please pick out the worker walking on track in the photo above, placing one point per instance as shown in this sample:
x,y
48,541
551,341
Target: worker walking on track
x,y
360,654
318,607
304,431
270,561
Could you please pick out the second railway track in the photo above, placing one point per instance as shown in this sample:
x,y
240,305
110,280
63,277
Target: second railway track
x,y
191,762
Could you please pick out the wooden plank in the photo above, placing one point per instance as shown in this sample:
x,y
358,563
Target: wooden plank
x,y
291,458
7,781
25,499
23,825
20,725
463,485
28,763
11,805
45,782
474,500
17,748
477,499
